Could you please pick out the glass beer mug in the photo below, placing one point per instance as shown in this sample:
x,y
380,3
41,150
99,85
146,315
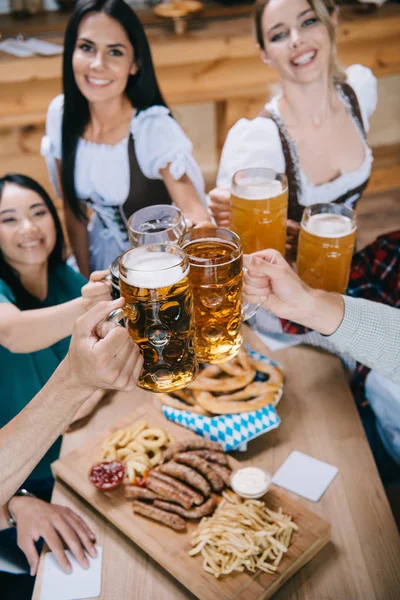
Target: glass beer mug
x,y
326,246
114,279
158,224
158,314
259,209
216,274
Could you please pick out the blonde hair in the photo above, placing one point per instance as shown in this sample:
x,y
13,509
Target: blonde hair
x,y
324,10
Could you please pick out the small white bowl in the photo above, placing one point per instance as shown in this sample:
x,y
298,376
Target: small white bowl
x,y
244,489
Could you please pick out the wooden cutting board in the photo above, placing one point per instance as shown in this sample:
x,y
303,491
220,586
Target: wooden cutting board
x,y
170,548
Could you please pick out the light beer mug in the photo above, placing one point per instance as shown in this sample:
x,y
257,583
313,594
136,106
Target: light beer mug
x,y
158,314
157,224
216,274
259,209
326,246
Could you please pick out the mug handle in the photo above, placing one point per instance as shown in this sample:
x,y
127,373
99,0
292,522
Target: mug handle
x,y
113,320
249,310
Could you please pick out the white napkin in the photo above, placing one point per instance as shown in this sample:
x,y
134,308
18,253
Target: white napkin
x,y
42,47
81,583
305,476
16,48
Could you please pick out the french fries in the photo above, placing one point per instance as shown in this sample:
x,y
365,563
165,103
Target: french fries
x,y
230,388
242,535
138,446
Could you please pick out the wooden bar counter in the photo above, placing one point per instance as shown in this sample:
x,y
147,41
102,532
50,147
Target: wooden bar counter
x,y
319,418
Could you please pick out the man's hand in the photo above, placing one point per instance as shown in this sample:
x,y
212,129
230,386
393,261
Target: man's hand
x,y
97,289
270,279
220,206
112,362
55,524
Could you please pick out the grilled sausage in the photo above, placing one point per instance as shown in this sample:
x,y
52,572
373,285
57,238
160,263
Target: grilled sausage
x,y
201,465
162,516
136,492
195,513
224,472
187,475
169,492
211,456
196,498
194,444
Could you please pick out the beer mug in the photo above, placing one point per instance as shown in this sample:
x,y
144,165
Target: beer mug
x,y
326,246
158,314
259,209
158,224
216,274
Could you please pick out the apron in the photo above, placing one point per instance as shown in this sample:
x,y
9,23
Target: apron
x,y
108,226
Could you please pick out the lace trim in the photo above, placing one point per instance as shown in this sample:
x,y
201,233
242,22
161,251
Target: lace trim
x,y
178,164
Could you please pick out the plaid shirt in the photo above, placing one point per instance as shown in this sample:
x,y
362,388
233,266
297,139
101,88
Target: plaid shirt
x,y
374,275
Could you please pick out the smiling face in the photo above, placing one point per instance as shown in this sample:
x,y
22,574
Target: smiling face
x,y
103,58
27,229
296,42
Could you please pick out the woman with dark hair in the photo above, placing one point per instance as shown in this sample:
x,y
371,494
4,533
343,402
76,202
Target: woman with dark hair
x,y
110,136
314,128
40,299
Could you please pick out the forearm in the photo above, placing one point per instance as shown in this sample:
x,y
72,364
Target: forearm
x,y
25,439
32,330
370,332
184,195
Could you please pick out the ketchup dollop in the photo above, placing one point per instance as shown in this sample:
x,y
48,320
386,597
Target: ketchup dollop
x,y
107,475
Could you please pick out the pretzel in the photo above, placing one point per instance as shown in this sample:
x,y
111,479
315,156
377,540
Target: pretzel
x,y
184,395
275,374
175,403
250,391
229,388
212,404
232,367
224,384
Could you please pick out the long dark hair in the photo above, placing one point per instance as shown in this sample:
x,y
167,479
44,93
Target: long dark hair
x,y
25,300
142,88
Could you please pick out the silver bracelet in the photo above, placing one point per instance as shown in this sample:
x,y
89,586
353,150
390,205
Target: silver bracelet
x,y
22,492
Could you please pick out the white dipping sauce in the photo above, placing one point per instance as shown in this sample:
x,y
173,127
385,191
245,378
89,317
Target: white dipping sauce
x,y
250,481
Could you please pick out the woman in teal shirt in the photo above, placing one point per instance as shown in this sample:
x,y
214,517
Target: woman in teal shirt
x,y
40,299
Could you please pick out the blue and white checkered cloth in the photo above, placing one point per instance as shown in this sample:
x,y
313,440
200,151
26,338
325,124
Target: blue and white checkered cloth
x,y
231,431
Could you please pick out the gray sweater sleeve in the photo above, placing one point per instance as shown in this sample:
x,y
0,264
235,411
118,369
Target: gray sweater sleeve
x,y
370,332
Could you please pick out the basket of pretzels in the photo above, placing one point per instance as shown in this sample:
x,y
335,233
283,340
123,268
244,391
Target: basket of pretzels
x,y
232,402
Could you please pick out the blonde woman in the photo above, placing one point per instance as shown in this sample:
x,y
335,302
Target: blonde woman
x,y
315,128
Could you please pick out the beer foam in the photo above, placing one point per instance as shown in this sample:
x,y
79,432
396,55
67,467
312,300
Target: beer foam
x,y
152,269
257,188
329,225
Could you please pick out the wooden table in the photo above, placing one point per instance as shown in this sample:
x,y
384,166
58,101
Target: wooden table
x,y
319,418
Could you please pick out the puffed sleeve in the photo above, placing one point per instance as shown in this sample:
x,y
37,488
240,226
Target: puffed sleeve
x,y
159,142
248,144
364,83
51,143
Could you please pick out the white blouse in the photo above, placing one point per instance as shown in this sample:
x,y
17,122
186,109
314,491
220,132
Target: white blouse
x,y
102,171
256,143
